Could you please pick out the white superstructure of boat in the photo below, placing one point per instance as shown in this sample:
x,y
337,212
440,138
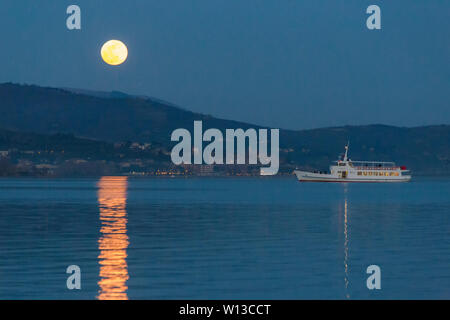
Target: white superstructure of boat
x,y
346,170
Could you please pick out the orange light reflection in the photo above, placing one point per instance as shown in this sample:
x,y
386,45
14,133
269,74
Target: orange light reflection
x,y
113,242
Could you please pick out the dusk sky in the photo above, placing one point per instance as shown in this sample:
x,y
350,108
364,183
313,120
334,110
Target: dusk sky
x,y
290,64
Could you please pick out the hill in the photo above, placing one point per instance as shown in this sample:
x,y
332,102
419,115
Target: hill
x,y
118,117
115,118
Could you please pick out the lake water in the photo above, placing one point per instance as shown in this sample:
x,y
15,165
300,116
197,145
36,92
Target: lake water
x,y
223,238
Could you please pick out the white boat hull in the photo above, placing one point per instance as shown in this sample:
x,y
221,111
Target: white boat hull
x,y
306,176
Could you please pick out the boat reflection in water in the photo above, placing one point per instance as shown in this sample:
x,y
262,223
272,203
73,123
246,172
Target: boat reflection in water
x,y
113,241
346,250
346,241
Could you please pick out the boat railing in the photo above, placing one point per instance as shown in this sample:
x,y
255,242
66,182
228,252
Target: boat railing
x,y
370,165
376,168
374,162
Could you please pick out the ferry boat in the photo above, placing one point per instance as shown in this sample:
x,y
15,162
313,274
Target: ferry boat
x,y
346,170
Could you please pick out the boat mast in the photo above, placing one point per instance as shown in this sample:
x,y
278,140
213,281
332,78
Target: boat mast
x,y
346,152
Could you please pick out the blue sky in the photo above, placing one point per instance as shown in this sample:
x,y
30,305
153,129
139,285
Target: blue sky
x,y
290,64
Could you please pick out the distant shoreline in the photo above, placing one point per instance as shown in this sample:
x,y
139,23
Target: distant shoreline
x,y
278,176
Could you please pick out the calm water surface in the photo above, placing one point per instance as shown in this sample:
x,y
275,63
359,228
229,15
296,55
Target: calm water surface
x,y
223,238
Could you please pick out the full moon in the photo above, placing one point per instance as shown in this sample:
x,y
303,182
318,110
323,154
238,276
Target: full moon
x,y
114,52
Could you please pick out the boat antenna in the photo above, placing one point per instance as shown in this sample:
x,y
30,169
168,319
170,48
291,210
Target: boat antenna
x,y
346,151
